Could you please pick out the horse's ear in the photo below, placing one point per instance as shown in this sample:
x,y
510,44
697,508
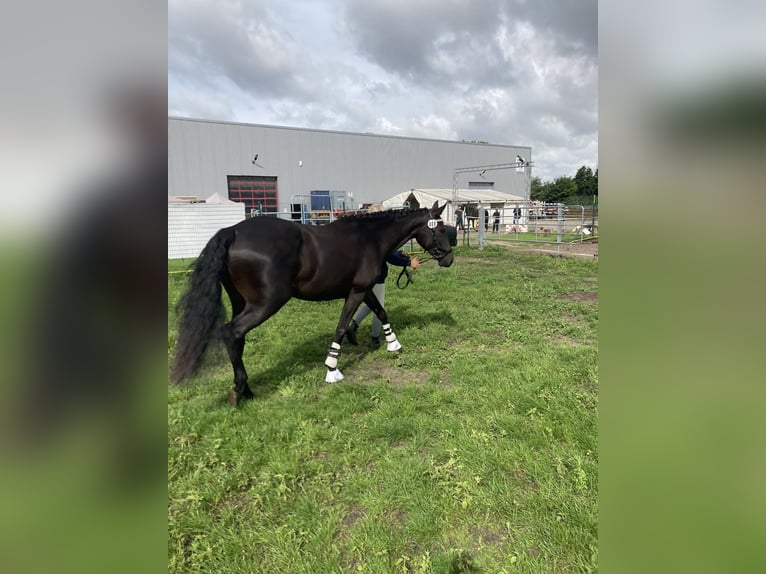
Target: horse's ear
x,y
436,211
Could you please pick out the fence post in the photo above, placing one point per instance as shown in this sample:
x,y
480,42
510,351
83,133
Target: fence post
x,y
467,232
593,215
482,211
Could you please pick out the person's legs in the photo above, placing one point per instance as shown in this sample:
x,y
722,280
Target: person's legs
x,y
363,311
380,292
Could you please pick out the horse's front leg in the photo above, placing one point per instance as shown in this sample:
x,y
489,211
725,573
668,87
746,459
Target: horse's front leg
x,y
392,343
331,361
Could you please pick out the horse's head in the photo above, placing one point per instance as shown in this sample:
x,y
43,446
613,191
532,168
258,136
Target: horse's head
x,y
433,238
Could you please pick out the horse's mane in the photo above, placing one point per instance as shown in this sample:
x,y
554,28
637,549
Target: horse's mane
x,y
387,215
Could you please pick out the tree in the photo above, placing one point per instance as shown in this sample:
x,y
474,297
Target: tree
x,y
560,189
595,178
583,184
586,181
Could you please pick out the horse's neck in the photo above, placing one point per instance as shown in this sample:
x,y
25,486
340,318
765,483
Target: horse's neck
x,y
401,232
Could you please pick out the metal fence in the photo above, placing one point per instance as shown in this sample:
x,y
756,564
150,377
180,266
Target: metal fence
x,y
306,216
537,223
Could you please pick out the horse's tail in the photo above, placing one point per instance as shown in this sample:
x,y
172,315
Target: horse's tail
x,y
200,308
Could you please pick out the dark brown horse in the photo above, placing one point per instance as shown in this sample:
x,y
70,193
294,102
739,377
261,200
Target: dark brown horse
x,y
262,263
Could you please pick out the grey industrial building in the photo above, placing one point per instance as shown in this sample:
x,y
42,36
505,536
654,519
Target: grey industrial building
x,y
271,167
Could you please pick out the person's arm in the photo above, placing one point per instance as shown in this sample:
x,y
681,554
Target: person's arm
x,y
401,259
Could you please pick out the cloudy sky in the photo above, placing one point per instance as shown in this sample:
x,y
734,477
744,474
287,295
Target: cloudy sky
x,y
516,72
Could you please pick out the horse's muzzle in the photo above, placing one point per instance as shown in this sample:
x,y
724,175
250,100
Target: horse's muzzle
x,y
446,261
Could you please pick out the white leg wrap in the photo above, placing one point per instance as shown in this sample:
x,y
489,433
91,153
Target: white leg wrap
x,y
332,355
392,344
333,376
390,337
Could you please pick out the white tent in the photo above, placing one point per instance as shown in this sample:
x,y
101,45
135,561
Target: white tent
x,y
487,198
218,199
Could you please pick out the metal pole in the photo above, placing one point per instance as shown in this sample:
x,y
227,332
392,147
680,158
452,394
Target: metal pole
x,y
528,173
480,224
467,230
593,215
454,189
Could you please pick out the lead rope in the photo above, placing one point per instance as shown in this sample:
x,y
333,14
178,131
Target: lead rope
x,y
405,272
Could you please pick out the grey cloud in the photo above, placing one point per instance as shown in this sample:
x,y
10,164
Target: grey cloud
x,y
573,24
508,72
228,41
413,39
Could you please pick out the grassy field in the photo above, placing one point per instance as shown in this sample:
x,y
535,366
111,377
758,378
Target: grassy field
x,y
474,449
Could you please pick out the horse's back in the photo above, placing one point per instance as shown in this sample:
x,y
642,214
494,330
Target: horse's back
x,y
309,262
264,256
333,262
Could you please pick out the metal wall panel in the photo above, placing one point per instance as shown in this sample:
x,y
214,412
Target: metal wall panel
x,y
191,225
201,154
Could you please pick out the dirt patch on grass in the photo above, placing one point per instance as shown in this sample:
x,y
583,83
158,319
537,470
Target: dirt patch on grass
x,y
526,481
587,386
353,515
486,537
483,261
585,249
397,518
581,297
235,501
564,340
378,372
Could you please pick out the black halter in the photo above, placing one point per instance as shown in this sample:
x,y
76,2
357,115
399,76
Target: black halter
x,y
436,253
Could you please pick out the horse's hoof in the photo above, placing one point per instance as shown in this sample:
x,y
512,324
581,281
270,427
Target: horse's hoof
x,y
234,397
393,346
333,376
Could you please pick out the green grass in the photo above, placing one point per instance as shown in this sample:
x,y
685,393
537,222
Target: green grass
x,y
474,449
176,265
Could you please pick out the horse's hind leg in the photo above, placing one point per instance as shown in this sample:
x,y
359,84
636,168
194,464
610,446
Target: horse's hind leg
x,y
235,346
234,338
